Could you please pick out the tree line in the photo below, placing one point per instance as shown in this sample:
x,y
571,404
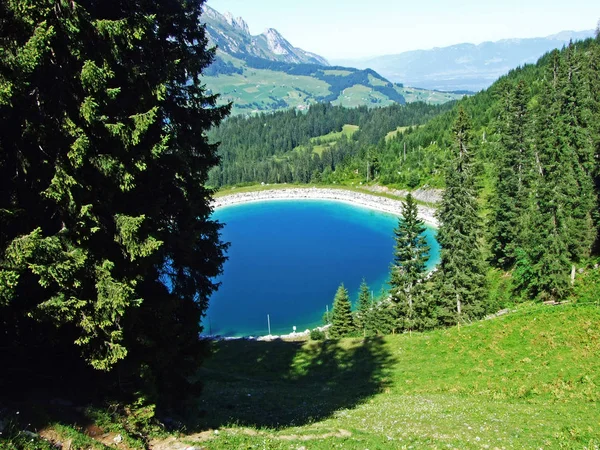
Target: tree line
x,y
455,293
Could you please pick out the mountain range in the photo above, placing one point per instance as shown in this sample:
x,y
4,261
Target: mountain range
x,y
266,73
463,66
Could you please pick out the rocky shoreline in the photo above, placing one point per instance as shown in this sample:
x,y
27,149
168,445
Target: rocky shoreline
x,y
385,204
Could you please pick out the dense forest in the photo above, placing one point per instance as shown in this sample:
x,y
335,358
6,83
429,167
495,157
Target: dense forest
x,y
279,147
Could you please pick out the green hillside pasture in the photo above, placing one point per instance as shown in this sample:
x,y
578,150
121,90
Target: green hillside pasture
x,y
256,89
359,94
338,73
412,94
328,140
334,136
528,379
377,81
230,59
395,132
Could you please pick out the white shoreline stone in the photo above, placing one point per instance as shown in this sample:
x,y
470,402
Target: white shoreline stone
x,y
385,204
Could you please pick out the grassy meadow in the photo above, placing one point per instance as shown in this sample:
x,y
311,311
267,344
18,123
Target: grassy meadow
x,y
529,378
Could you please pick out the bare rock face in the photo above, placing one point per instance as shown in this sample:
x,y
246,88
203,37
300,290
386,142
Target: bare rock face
x,y
428,195
232,35
237,23
424,194
277,44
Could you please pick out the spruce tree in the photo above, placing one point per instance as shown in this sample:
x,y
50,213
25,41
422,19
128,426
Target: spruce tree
x,y
411,253
363,306
103,159
341,318
461,279
593,94
509,201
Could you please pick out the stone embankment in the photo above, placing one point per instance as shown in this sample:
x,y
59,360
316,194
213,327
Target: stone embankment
x,y
384,204
427,195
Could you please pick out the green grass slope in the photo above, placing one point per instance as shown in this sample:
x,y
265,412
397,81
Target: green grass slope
x,y
321,143
254,90
529,379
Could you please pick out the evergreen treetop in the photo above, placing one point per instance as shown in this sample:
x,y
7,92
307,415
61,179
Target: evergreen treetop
x,y
411,254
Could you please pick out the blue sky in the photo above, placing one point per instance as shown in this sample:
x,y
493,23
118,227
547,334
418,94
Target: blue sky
x,y
354,29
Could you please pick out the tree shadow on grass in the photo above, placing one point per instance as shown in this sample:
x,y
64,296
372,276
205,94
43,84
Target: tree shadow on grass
x,y
281,384
257,384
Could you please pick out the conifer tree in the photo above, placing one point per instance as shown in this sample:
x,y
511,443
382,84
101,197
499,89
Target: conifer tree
x,y
509,201
591,97
560,224
103,159
341,318
411,253
363,305
461,279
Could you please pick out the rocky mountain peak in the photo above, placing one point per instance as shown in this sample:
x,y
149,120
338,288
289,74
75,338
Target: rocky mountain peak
x,y
232,35
276,42
237,22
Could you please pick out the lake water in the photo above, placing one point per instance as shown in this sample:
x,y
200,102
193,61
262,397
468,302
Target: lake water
x,y
287,259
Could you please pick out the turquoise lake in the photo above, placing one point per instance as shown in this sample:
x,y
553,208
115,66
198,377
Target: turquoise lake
x,y
287,259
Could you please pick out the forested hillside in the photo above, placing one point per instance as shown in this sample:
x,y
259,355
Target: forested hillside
x,y
284,147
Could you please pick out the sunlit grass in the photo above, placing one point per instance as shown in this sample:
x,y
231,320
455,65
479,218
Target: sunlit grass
x,y
528,379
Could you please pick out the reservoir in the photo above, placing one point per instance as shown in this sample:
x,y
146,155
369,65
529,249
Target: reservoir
x,y
288,257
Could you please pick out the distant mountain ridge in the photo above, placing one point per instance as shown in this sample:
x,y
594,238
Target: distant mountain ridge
x,y
464,66
232,35
266,73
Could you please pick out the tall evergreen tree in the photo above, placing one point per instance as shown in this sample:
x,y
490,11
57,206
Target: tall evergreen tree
x,y
341,318
103,159
462,272
411,253
593,93
509,201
